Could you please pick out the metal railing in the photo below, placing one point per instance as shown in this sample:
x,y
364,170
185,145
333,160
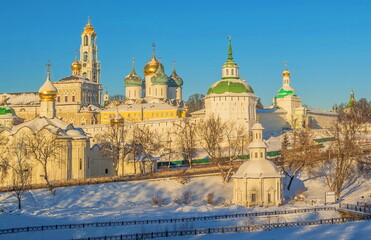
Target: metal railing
x,y
158,221
229,229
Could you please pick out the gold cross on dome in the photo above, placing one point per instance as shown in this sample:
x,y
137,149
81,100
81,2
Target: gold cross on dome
x,y
48,66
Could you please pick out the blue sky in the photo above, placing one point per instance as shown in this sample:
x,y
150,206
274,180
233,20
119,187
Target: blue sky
x,y
327,43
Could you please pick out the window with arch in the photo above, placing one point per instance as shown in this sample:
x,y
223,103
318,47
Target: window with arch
x,y
226,72
85,56
86,40
232,71
92,40
256,155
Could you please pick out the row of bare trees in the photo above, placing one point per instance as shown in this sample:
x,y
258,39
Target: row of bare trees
x,y
21,155
339,162
222,141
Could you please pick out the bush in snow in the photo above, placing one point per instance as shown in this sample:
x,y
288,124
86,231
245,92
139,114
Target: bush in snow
x,y
186,198
210,198
157,201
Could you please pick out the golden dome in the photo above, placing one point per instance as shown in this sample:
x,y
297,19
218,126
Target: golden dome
x,y
286,73
151,67
89,30
48,90
76,66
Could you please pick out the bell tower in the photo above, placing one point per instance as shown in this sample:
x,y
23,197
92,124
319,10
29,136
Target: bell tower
x,y
89,54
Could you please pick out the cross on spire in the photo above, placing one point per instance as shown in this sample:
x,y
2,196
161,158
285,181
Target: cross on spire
x,y
89,20
48,66
153,49
76,53
230,57
286,65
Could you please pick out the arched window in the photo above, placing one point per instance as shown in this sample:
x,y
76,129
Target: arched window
x,y
226,72
85,56
86,40
232,71
92,40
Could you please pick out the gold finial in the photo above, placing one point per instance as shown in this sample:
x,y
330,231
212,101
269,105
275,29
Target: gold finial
x,y
76,53
89,20
257,118
153,49
286,72
48,66
229,37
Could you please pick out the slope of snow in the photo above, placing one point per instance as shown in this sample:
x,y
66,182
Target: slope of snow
x,y
132,201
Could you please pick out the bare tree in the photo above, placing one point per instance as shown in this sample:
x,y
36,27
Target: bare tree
x,y
115,143
301,152
211,134
18,168
186,136
344,152
148,144
195,102
46,149
235,137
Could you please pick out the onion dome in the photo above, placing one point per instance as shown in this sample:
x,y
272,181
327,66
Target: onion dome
x,y
133,79
160,77
175,80
48,90
286,73
230,86
151,67
89,30
117,119
76,66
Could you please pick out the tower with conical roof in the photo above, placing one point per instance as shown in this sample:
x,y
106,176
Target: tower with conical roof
x,y
47,93
258,180
175,85
287,98
231,98
89,54
352,99
133,84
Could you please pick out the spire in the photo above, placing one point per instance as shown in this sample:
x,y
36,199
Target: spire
x,y
48,66
286,66
132,67
153,50
76,54
351,99
230,57
89,20
174,63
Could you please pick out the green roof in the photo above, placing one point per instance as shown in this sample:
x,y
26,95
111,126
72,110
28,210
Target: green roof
x,y
4,111
229,86
283,93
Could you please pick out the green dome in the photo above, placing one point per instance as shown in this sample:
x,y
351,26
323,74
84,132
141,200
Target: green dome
x,y
4,111
132,79
283,93
230,86
160,77
175,80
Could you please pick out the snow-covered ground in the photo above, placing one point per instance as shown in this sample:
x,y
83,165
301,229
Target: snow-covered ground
x,y
132,201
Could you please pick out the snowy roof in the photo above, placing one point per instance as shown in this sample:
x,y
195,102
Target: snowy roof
x,y
259,144
270,110
140,106
257,126
48,86
27,98
54,125
257,169
321,112
74,79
